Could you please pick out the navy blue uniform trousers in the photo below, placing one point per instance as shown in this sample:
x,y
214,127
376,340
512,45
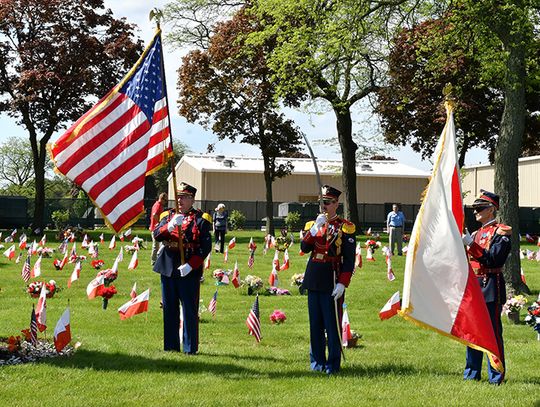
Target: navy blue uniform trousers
x,y
185,290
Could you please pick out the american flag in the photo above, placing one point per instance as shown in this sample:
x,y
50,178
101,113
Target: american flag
x,y
212,305
125,136
251,259
253,321
25,273
33,327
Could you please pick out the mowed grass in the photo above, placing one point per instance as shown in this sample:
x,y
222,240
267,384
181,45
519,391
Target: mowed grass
x,y
121,363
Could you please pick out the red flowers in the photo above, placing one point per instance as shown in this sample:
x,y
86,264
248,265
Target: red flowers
x,y
108,292
97,264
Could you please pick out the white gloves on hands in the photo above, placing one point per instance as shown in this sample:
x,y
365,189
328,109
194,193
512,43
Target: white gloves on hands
x,y
467,238
185,269
175,221
319,223
339,290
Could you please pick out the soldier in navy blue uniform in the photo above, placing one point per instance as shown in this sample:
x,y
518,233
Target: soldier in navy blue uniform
x,y
331,242
180,283
488,249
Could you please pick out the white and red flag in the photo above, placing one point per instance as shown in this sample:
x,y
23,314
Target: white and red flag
x,y
225,278
207,262
236,276
226,255
43,241
391,308
133,293
41,309
112,243
275,261
440,290
251,245
75,274
135,306
522,273
22,241
62,331
33,248
64,261
285,265
134,262
232,243
120,256
10,253
95,287
101,238
36,270
73,253
127,234
358,256
11,237
85,243
346,334
109,151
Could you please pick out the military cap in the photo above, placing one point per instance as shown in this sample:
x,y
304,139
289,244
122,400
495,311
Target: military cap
x,y
486,198
186,189
330,192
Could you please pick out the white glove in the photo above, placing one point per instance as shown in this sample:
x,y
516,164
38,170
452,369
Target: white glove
x,y
319,223
175,221
339,290
185,269
467,238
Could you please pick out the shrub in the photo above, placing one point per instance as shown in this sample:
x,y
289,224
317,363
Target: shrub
x,y
237,220
60,218
292,220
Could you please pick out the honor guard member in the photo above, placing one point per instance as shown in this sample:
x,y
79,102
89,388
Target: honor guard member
x,y
331,242
488,249
180,283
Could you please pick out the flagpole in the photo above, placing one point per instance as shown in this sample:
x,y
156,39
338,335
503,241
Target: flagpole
x,y
157,14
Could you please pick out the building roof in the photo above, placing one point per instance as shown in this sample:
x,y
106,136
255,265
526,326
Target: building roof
x,y
302,166
487,165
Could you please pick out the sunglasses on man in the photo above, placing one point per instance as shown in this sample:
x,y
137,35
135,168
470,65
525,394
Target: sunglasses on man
x,y
479,209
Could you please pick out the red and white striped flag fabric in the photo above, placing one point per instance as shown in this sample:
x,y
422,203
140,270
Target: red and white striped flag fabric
x,y
133,293
127,234
134,261
251,245
62,331
232,243
253,321
33,327
236,276
41,309
112,243
135,306
36,270
109,151
251,259
25,272
285,265
95,287
346,334
10,253
391,308
440,290
213,304
76,273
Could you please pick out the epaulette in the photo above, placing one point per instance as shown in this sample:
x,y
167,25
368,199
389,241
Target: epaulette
x,y
504,230
309,225
206,216
164,214
348,227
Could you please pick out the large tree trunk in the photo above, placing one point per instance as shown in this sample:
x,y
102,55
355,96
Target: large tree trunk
x,y
39,199
507,154
269,197
348,155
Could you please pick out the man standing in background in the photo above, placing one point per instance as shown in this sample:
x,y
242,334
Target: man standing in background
x,y
395,223
157,209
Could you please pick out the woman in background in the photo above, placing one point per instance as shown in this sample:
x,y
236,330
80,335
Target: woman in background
x,y
220,217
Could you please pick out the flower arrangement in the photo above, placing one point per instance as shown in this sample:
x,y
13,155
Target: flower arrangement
x,y
297,279
131,249
14,343
514,304
277,317
74,258
107,293
406,237
277,291
353,342
373,245
34,288
533,316
138,241
109,275
218,274
254,284
45,251
97,264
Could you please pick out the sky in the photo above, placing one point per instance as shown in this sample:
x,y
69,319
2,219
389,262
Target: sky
x,y
317,126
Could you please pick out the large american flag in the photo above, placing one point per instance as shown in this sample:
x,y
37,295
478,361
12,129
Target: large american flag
x,y
25,273
109,151
213,304
253,320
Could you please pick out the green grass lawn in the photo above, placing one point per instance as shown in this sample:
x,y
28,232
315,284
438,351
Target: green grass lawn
x,y
122,363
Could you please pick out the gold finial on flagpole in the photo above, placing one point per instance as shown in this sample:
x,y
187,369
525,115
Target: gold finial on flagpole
x,y
449,97
156,14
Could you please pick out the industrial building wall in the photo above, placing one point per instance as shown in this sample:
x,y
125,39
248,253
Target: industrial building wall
x,y
186,173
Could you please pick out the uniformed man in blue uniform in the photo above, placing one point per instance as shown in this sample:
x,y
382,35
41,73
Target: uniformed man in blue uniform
x,y
181,282
331,242
488,249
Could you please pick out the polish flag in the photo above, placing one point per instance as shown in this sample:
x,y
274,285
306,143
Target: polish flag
x,y
273,278
226,255
43,241
10,253
440,290
358,257
133,293
225,279
368,233
95,287
120,256
33,248
232,243
36,270
236,276
135,306
101,238
267,239
285,265
389,272
41,309
64,261
72,237
523,276
369,255
346,334
62,331
252,246
18,259
112,244
85,243
73,253
391,308
76,273
11,237
22,242
91,248
207,262
275,262
134,261
121,236
127,234
538,243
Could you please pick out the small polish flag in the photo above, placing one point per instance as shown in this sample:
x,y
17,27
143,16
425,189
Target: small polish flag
x,y
226,255
43,241
273,278
62,331
252,246
207,262
121,237
33,248
120,256
91,248
41,309
358,257
10,253
391,308
112,244
134,261
232,243
72,237
369,255
22,242
523,276
236,276
64,261
95,287
133,293
127,234
18,259
36,270
538,243
285,265
346,334
76,273
368,233
73,253
101,238
225,279
85,243
275,262
135,306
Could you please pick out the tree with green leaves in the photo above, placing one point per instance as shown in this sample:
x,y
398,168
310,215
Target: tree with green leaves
x,y
15,162
227,88
55,58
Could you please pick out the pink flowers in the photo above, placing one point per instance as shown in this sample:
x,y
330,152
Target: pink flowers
x,y
277,317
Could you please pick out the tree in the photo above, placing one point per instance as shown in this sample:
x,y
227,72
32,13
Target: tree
x,y
228,88
54,57
15,162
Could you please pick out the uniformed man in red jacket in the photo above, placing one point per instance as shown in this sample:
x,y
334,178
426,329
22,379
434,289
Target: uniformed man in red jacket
x,y
330,240
488,249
